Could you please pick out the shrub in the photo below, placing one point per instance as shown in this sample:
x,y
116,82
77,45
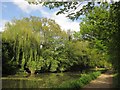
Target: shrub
x,y
83,80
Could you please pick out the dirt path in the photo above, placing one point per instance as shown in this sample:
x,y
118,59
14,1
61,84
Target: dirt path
x,y
103,81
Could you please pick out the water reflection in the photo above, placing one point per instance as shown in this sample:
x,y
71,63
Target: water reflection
x,y
46,80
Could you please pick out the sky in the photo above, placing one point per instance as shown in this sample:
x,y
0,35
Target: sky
x,y
11,9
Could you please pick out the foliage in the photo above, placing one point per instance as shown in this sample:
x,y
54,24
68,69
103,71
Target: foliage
x,y
115,42
116,80
22,39
72,9
102,28
98,29
79,83
22,49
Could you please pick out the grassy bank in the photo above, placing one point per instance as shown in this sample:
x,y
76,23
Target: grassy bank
x,y
82,81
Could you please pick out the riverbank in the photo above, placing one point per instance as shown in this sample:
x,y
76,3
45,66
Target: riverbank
x,y
103,81
52,80
82,81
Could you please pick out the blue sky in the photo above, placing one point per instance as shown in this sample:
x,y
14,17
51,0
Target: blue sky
x,y
11,9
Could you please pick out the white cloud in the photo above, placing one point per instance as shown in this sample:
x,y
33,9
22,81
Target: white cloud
x,y
25,6
62,20
65,23
45,13
2,24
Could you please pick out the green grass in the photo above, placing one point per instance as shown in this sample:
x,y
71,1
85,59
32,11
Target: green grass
x,y
102,70
34,79
82,81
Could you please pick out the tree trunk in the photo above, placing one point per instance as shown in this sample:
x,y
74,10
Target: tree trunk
x,y
32,72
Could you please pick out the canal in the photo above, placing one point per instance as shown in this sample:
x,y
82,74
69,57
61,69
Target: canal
x,y
43,80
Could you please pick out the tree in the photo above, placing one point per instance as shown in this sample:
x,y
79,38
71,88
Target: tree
x,y
103,29
115,42
22,40
72,9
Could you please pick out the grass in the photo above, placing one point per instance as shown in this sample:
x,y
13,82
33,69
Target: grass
x,y
82,81
3,78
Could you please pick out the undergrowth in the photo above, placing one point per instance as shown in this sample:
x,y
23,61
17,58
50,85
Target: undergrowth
x,y
82,81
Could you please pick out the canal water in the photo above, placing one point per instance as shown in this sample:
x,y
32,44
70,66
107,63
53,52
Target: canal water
x,y
43,80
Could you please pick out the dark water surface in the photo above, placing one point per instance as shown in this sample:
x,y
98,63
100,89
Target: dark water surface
x,y
46,80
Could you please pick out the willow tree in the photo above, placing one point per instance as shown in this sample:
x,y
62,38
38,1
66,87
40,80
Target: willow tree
x,y
22,40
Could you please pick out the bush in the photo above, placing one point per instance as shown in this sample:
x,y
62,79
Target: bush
x,y
83,80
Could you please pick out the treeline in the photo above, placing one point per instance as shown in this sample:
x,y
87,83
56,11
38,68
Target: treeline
x,y
102,26
39,45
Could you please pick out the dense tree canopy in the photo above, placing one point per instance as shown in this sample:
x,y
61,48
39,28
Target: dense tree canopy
x,y
39,45
102,27
22,41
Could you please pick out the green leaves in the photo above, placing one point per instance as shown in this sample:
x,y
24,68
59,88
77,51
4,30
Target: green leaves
x,y
24,38
82,81
70,8
40,44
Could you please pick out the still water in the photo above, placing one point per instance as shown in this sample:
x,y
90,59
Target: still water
x,y
46,80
